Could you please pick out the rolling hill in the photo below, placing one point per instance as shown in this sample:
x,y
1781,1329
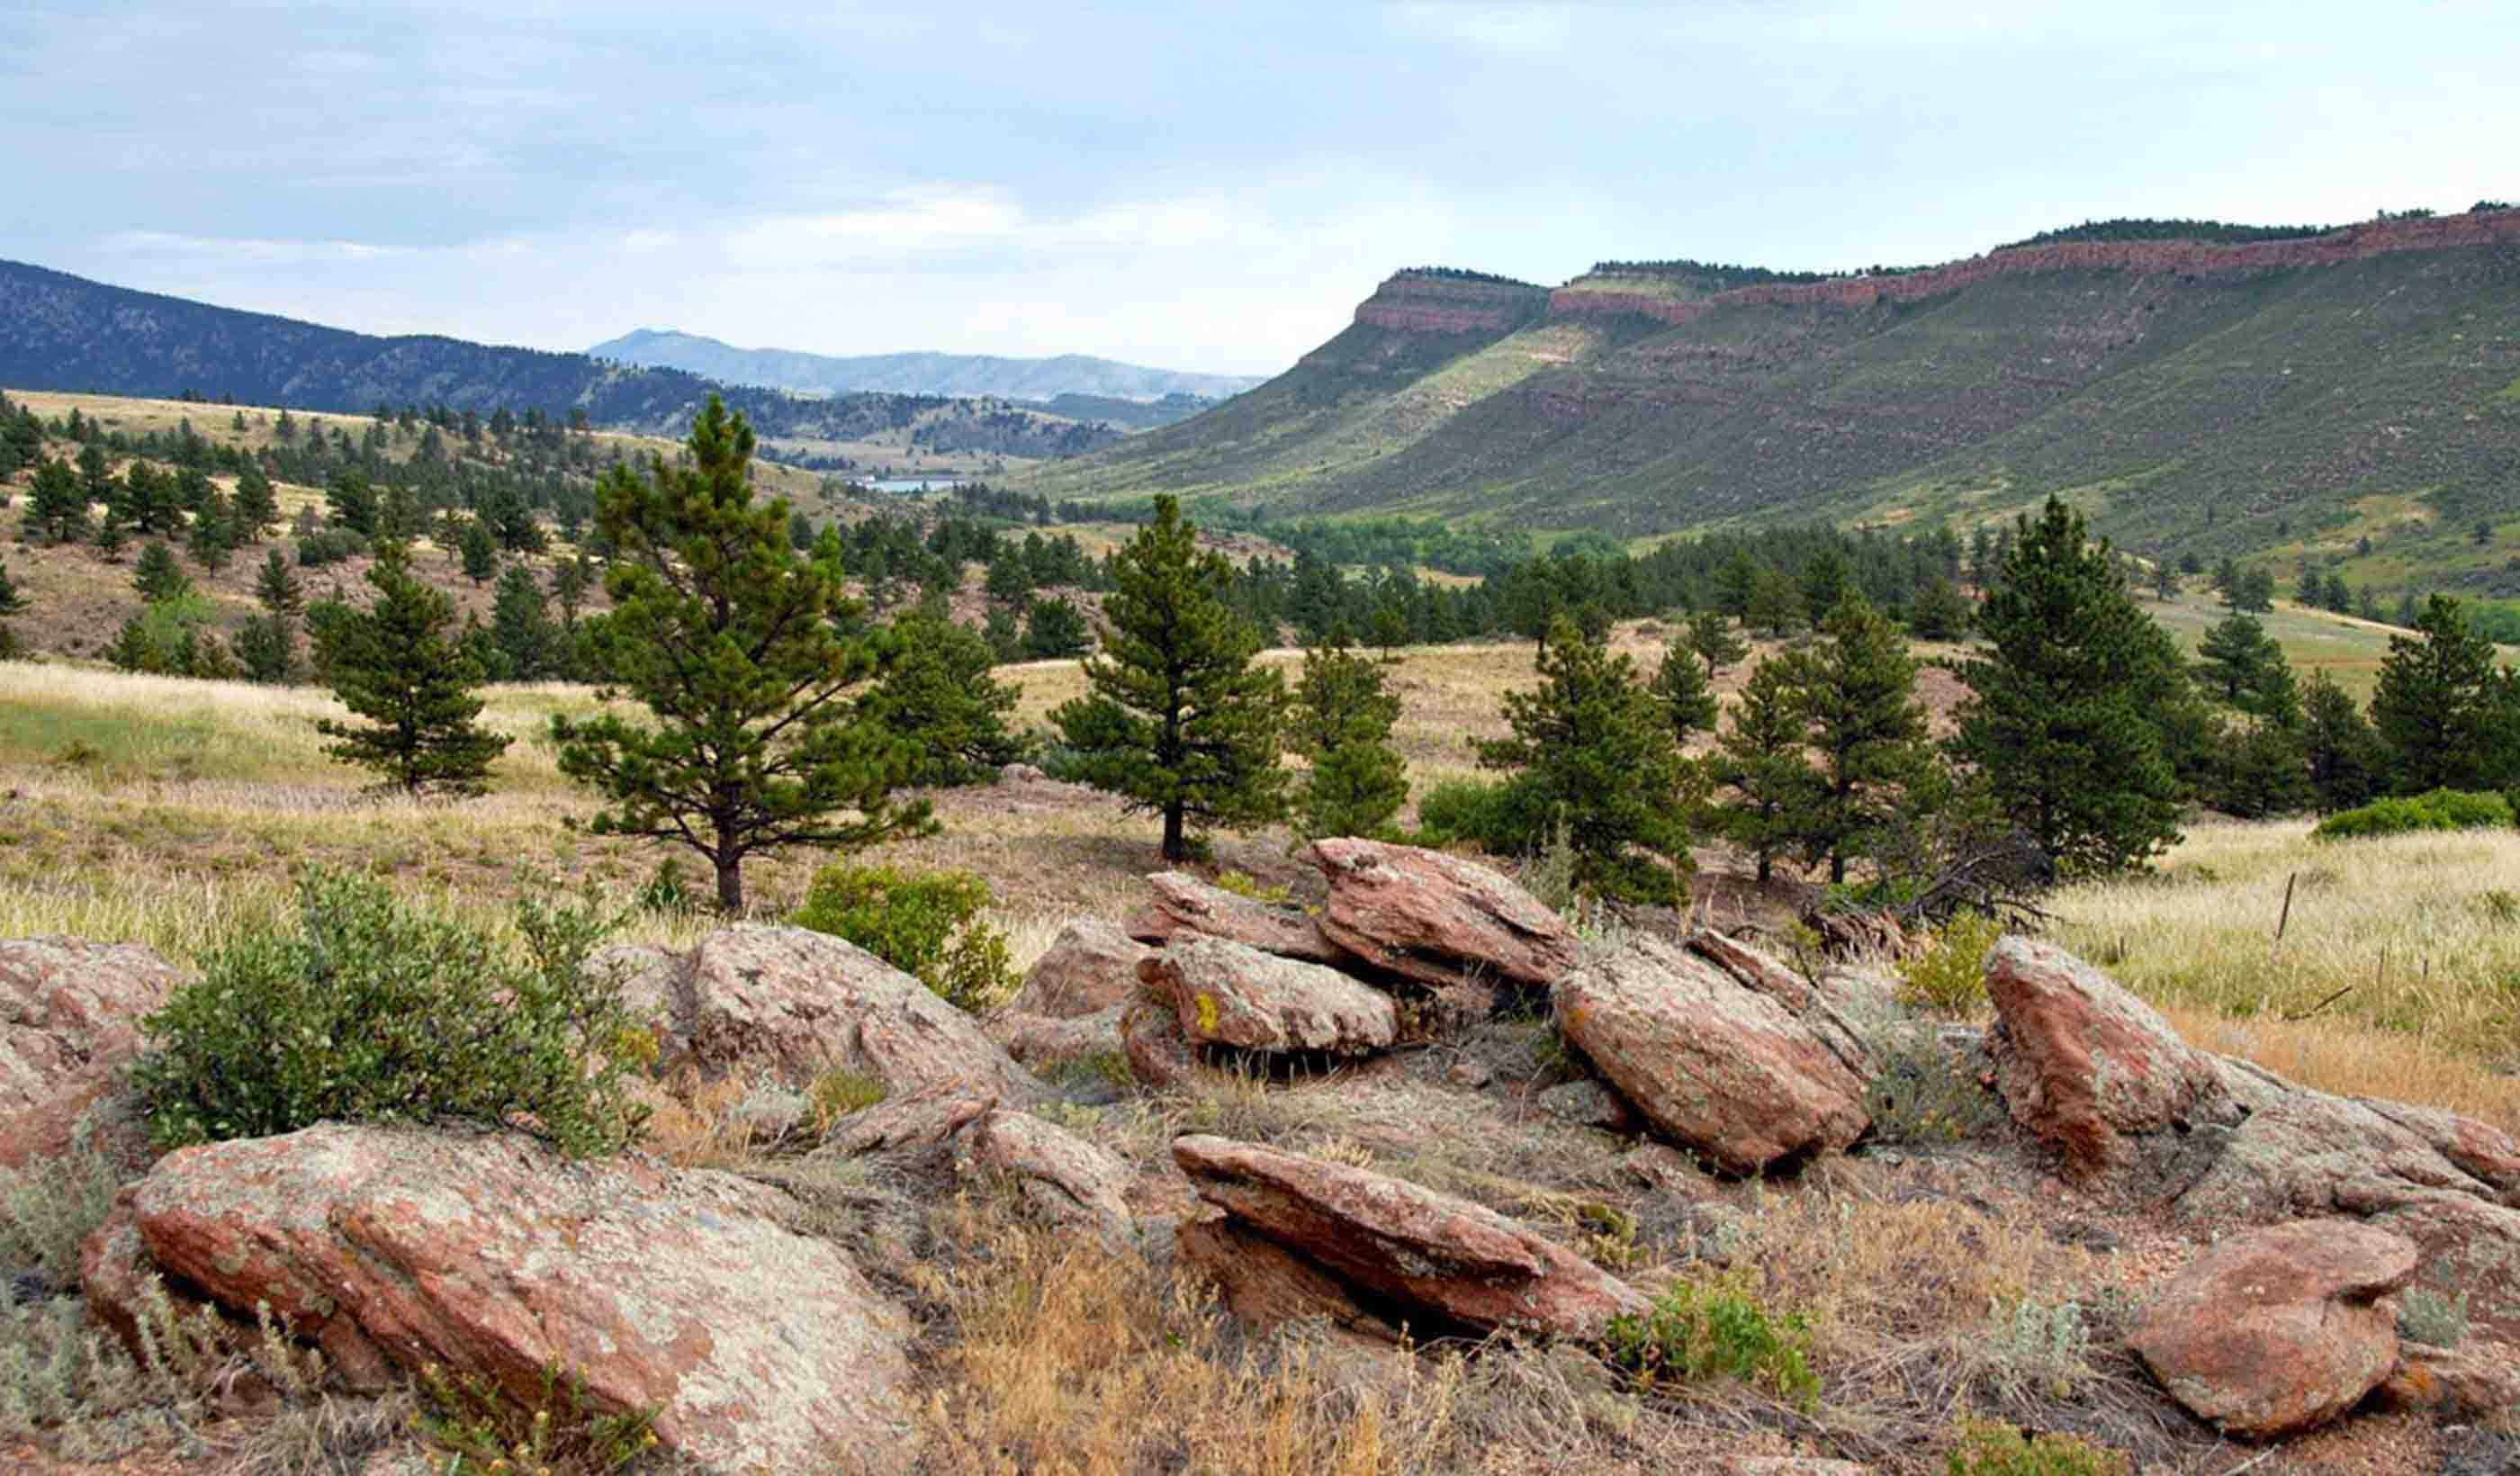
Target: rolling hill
x,y
2196,388
984,375
63,333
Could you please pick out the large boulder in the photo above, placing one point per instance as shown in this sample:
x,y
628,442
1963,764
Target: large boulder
x,y
1088,967
1160,1055
1461,1266
1713,1066
1438,918
2088,1066
1185,907
1042,1042
1829,1007
492,1255
1264,1284
787,1003
1230,994
1066,1180
70,1022
2282,1328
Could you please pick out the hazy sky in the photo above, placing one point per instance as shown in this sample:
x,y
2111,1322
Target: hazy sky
x,y
1193,185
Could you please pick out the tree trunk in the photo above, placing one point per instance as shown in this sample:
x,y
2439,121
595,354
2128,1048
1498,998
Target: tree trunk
x,y
1836,870
730,885
1174,848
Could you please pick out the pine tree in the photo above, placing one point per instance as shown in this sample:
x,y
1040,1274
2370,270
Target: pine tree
x,y
1680,684
211,538
397,665
1178,720
157,576
2431,708
1594,753
1775,604
933,690
2343,752
480,548
2235,655
1340,722
2061,722
59,514
1823,584
278,589
571,578
12,603
733,642
1055,630
351,502
1866,730
2165,579
520,626
1760,768
1711,635
1005,634
257,504
1939,612
266,647
96,475
113,534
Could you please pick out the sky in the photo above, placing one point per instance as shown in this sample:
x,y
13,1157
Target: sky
x,y
1208,186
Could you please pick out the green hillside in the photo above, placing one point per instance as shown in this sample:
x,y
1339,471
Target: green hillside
x,y
2253,409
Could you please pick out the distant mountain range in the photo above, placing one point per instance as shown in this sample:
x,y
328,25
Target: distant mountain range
x,y
65,332
2347,397
1043,380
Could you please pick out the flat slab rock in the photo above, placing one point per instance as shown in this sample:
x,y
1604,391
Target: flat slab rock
x,y
767,1348
1711,1064
1461,1263
2277,1330
1438,918
1230,994
69,1021
1185,907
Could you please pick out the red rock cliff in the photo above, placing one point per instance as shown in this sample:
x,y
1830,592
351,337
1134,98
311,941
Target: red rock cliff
x,y
2191,257
1414,302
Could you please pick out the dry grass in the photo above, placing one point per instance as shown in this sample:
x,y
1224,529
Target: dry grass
x,y
2415,938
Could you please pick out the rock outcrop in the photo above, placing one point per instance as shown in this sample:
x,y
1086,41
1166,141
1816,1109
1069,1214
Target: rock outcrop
x,y
70,1022
1263,1284
1418,302
1088,967
1185,907
1039,1042
1712,1064
2282,1328
1437,918
787,1003
763,1348
1227,994
1458,1265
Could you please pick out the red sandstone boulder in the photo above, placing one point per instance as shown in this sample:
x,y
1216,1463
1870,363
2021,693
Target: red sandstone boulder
x,y
1066,1180
1227,994
69,1021
1088,967
1438,918
2279,1330
1264,1285
787,1003
1462,1265
1040,1042
765,1348
1714,1066
2473,1381
2083,1064
1159,1054
1185,907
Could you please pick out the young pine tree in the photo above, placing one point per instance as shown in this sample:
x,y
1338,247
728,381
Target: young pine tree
x,y
1876,762
58,513
397,664
520,625
1340,722
2061,723
1178,720
731,640
1711,635
1592,751
1680,686
257,507
480,551
2233,656
2347,760
1055,630
932,688
1759,769
157,577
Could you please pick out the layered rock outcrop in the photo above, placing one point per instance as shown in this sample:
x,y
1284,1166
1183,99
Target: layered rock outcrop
x,y
70,1022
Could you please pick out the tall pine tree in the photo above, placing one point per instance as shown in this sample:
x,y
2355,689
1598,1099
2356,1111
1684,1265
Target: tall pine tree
x,y
1341,723
731,640
1178,721
2433,706
1875,765
1763,779
2061,722
397,664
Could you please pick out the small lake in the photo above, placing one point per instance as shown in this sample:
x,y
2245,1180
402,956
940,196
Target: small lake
x,y
911,485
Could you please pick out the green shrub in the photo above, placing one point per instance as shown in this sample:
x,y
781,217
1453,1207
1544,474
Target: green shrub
x,y
1715,1330
48,1207
89,1399
1921,1093
1950,976
1505,816
839,1092
370,1010
560,1431
1988,1449
928,926
2434,810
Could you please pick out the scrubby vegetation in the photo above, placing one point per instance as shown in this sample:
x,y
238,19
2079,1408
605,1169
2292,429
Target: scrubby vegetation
x,y
925,926
2433,810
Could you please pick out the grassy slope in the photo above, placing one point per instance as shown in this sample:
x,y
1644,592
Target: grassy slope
x,y
2232,414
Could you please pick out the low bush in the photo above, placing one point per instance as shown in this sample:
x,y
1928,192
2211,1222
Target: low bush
x,y
929,925
48,1207
370,1010
1988,1449
1715,1330
1948,977
1500,816
2435,810
560,1431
